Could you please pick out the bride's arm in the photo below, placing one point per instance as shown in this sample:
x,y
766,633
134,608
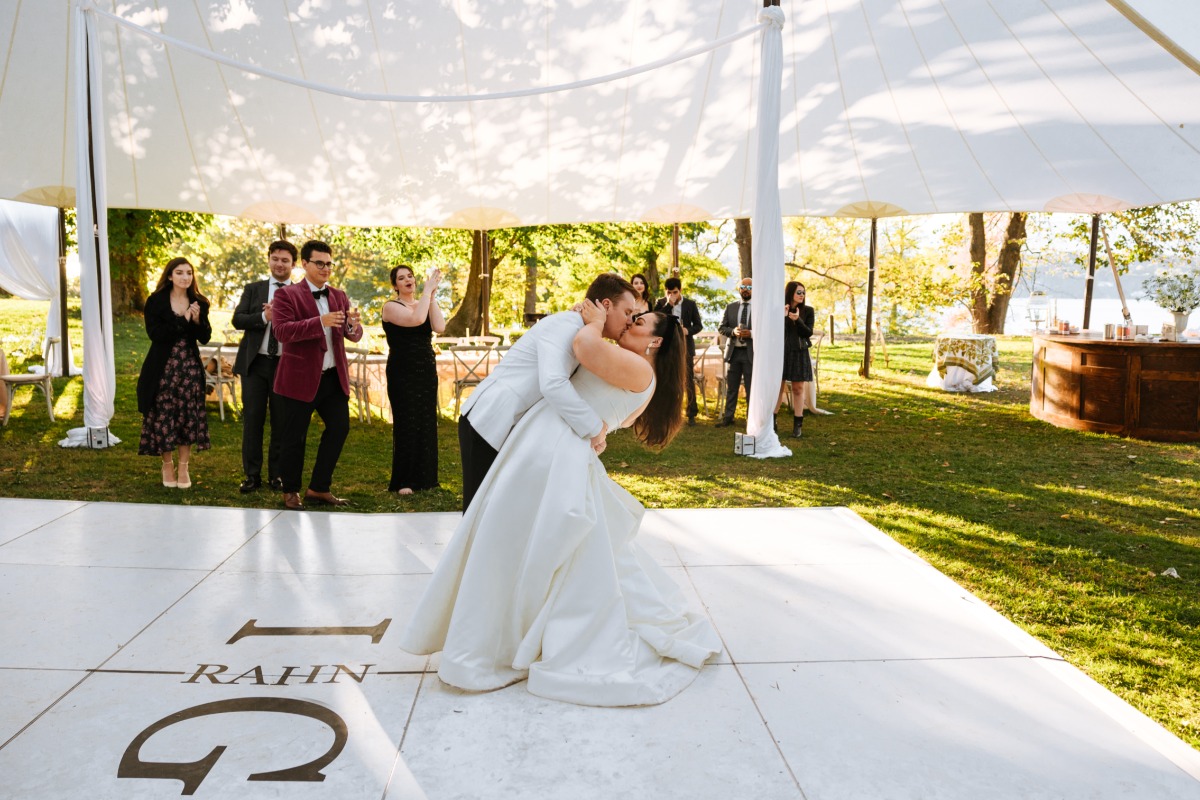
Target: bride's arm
x,y
612,364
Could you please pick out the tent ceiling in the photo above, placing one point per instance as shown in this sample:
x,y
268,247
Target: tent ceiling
x,y
920,105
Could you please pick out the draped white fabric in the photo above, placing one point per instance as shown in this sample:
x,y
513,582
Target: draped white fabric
x,y
767,249
99,371
29,264
957,105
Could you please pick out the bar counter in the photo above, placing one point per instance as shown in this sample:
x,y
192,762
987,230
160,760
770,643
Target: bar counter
x,y
1144,390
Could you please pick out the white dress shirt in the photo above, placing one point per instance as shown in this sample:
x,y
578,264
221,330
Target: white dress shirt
x,y
323,308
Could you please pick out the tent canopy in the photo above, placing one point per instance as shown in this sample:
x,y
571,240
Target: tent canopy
x,y
914,106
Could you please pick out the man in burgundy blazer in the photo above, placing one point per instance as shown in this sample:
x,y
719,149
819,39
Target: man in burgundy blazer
x,y
313,320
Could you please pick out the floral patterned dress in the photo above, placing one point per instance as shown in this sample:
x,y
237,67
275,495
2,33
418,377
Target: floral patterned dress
x,y
178,416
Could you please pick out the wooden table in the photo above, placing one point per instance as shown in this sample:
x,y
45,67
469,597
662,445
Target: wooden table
x,y
1145,390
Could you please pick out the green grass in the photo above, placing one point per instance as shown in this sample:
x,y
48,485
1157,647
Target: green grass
x,y
1065,533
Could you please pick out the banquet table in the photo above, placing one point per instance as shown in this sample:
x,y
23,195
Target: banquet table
x,y
964,362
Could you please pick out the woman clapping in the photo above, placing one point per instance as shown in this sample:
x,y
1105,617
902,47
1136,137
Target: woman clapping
x,y
412,383
171,385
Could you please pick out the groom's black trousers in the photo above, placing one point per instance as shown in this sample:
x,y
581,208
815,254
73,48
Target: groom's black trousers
x,y
477,458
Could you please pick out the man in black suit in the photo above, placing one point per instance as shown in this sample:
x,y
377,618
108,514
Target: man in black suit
x,y
739,349
689,316
257,357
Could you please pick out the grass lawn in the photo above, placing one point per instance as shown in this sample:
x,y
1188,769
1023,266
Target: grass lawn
x,y
1065,533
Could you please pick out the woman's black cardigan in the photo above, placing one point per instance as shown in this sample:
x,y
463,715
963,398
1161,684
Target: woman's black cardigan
x,y
165,328
797,334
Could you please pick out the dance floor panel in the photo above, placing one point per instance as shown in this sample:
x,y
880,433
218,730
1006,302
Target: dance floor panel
x,y
153,651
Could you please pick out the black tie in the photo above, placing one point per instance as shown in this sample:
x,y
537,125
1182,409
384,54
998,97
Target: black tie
x,y
272,342
745,318
317,295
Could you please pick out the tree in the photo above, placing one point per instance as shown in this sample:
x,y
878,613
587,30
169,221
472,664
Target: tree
x,y
140,242
828,255
991,283
1165,232
743,237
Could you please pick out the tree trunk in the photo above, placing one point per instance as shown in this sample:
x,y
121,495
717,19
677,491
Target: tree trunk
x,y
531,276
979,317
651,260
991,290
741,235
469,316
1009,271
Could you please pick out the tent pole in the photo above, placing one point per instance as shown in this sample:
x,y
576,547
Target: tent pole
x,y
485,253
675,250
866,365
1117,278
1091,276
283,231
64,347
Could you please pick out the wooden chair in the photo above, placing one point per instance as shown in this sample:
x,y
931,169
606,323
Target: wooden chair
x,y
360,380
9,382
480,341
703,342
470,368
218,375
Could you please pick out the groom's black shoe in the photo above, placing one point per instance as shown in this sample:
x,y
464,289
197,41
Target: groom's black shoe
x,y
251,484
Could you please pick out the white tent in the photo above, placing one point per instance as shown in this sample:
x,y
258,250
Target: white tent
x,y
926,105
383,111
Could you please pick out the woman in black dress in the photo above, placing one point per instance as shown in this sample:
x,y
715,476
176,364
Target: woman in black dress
x,y
797,364
412,379
171,386
643,298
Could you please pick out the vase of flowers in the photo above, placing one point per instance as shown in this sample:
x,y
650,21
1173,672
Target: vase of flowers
x,y
1177,292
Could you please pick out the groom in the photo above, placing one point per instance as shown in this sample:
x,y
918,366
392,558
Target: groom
x,y
539,365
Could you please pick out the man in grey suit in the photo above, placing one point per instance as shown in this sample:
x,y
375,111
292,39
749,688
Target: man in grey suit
x,y
257,357
539,365
739,349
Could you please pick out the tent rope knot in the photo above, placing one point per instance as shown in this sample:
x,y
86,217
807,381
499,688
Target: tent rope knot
x,y
772,15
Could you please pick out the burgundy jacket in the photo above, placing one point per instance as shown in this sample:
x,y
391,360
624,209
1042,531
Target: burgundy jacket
x,y
297,324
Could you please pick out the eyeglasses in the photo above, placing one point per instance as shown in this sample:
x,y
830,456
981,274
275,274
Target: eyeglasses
x,y
320,264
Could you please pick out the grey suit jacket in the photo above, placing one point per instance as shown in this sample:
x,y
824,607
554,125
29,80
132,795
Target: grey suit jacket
x,y
729,322
248,317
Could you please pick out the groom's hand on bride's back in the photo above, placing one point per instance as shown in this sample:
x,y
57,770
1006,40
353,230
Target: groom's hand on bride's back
x,y
600,440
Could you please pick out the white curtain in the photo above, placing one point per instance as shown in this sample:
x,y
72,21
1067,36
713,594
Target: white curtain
x,y
29,264
99,372
767,248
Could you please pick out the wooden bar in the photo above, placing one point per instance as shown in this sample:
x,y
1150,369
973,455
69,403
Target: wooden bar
x,y
1144,390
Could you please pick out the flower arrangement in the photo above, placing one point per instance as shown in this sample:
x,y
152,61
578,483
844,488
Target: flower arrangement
x,y
1178,292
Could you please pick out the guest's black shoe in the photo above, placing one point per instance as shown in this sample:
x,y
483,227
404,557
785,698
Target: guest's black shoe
x,y
277,484
722,423
251,484
691,421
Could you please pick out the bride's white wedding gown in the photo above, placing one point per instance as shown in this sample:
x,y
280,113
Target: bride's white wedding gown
x,y
543,579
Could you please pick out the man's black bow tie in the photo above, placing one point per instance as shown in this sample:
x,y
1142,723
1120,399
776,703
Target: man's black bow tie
x,y
279,284
317,295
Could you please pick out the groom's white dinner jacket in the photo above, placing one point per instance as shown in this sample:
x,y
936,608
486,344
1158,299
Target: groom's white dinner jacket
x,y
539,365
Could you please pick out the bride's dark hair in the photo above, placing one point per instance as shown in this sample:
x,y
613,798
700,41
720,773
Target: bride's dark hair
x,y
663,417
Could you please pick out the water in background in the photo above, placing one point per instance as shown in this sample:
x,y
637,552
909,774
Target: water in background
x,y
1065,291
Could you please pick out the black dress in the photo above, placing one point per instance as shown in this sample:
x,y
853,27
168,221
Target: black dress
x,y
412,391
171,385
797,339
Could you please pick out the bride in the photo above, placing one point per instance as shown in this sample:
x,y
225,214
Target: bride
x,y
543,579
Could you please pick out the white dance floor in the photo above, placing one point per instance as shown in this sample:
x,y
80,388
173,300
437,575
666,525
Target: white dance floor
x,y
153,651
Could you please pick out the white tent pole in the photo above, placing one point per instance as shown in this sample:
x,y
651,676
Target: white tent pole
x,y
99,372
1117,278
767,246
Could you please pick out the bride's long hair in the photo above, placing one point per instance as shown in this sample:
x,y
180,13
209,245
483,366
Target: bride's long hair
x,y
663,417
